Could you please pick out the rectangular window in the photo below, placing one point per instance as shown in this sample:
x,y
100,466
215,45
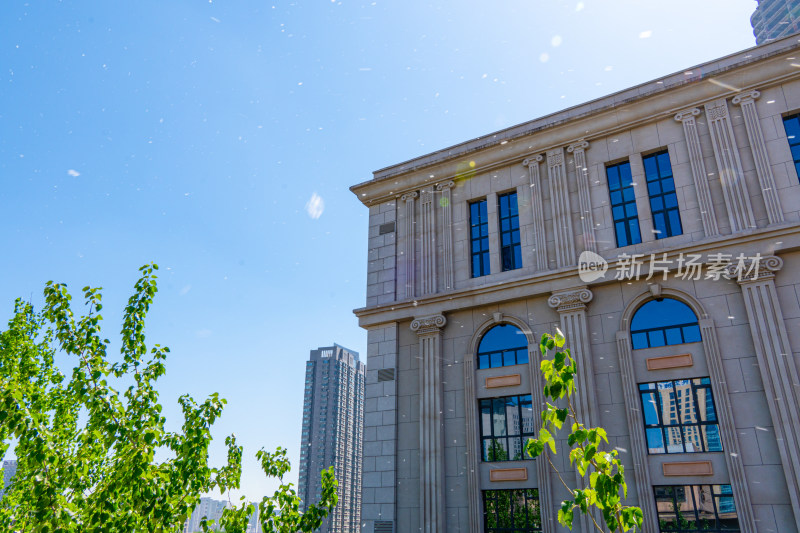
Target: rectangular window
x,y
510,250
506,424
512,511
479,237
623,204
663,200
689,508
680,416
792,126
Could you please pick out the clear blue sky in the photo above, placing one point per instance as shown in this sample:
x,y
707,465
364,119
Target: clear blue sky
x,y
194,133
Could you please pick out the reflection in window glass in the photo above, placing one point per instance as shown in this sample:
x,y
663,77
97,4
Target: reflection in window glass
x,y
690,508
506,425
503,345
623,204
512,511
664,322
479,238
510,249
663,199
792,127
680,417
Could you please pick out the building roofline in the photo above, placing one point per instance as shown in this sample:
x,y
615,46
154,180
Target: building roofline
x,y
638,92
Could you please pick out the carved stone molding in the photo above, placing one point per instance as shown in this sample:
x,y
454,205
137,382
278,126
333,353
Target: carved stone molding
x,y
555,157
445,185
699,175
578,149
729,166
570,300
754,271
539,242
409,196
758,147
428,325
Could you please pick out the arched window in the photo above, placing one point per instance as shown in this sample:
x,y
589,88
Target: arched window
x,y
664,322
503,345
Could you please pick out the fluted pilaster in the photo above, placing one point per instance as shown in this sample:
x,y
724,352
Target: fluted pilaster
x,y
428,216
778,368
729,165
578,150
431,430
707,215
562,213
447,233
539,241
409,251
760,156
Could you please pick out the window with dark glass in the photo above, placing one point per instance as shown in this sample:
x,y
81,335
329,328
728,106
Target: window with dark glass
x,y
510,250
623,204
792,126
506,425
680,416
663,200
690,508
512,511
503,345
664,322
479,238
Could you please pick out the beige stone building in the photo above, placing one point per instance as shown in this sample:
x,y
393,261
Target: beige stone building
x,y
476,250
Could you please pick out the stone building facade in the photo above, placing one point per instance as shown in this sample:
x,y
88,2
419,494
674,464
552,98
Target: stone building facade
x,y
333,422
474,253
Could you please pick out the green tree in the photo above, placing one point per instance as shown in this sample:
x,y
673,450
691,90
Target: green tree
x,y
607,485
86,451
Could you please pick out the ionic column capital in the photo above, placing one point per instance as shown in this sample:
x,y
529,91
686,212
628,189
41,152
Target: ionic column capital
x,y
445,185
533,160
687,114
428,325
570,300
744,98
409,196
555,157
753,271
578,146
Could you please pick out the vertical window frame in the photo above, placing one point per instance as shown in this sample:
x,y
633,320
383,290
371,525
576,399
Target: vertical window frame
x,y
508,224
522,435
479,219
632,234
662,192
793,138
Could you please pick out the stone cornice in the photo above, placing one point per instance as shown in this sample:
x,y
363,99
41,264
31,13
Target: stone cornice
x,y
542,283
618,112
428,325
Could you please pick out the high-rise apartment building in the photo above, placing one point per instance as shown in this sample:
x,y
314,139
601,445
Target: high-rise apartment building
x,y
774,19
659,229
333,422
9,469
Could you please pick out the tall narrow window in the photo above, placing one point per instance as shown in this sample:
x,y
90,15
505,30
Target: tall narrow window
x,y
510,250
623,204
479,235
663,200
689,508
792,126
512,511
680,416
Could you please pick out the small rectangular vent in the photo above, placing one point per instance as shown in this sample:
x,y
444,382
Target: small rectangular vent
x,y
386,228
384,526
387,374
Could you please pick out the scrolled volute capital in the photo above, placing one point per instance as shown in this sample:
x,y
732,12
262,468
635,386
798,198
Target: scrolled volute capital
x,y
428,324
754,269
745,97
445,185
533,160
578,146
687,114
409,196
570,300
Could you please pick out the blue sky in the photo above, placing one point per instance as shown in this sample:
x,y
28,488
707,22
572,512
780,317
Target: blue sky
x,y
194,133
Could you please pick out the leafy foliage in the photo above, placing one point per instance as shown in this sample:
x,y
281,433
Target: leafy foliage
x,y
86,451
607,484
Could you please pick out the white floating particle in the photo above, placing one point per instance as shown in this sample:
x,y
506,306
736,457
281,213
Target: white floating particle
x,y
579,6
555,41
74,173
544,57
315,206
646,34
